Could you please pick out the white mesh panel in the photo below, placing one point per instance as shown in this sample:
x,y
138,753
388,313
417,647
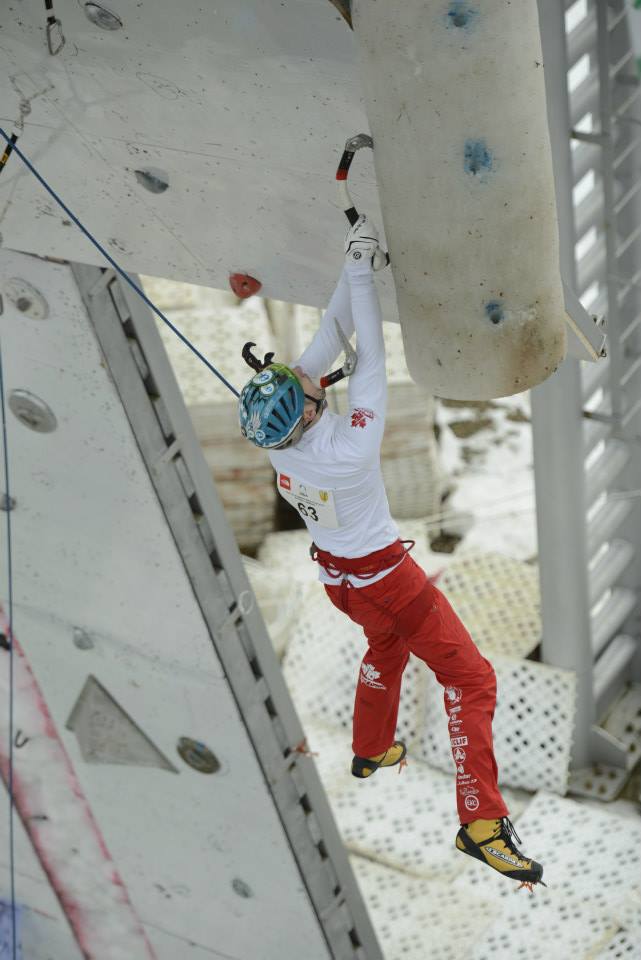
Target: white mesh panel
x,y
543,926
417,919
624,722
498,600
591,864
626,943
599,780
532,725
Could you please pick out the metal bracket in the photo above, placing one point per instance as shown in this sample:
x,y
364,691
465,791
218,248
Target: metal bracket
x,y
588,340
604,748
595,138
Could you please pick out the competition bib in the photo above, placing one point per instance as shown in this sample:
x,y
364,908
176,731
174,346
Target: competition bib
x,y
314,505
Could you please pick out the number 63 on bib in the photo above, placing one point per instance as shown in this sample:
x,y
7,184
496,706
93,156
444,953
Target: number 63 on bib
x,y
313,505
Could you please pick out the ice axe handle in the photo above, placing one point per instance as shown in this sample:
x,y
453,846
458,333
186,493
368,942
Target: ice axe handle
x,y
341,176
351,360
381,258
332,378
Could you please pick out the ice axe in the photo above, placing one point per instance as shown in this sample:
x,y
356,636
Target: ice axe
x,y
349,365
381,259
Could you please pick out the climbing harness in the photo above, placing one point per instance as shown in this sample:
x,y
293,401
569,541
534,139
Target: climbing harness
x,y
366,568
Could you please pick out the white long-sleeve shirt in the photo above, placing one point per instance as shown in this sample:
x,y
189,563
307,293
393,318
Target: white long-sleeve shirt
x,y
333,474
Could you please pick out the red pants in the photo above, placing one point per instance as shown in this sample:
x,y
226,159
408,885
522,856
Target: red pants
x,y
422,622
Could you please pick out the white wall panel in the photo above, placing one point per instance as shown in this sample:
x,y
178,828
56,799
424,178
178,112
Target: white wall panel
x,y
244,106
92,549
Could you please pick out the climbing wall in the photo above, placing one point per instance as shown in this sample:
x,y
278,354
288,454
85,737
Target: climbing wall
x,y
148,732
455,98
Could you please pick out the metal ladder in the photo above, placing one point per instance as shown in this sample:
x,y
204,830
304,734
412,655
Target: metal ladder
x,y
587,417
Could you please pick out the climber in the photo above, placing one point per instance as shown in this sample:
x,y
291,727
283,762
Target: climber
x,y
328,468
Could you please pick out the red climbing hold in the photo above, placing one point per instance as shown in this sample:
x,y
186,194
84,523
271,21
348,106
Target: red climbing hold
x,y
243,285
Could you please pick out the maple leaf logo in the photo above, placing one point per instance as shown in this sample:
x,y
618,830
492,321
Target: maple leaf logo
x,y
360,416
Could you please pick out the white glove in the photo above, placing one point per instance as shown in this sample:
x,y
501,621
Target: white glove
x,y
361,244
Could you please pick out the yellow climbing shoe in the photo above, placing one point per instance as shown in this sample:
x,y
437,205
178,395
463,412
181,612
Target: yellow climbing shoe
x,y
493,842
366,766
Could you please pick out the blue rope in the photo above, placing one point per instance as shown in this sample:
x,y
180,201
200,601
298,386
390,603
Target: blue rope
x,y
116,267
11,683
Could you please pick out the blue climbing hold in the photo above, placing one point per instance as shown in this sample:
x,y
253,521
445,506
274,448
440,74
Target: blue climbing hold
x,y
460,15
478,158
494,311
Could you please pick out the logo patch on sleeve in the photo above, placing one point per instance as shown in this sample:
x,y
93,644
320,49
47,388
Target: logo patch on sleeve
x,y
360,417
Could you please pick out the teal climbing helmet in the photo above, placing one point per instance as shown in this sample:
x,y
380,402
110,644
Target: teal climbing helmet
x,y
270,408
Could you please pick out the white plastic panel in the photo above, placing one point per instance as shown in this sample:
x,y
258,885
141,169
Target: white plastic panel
x,y
588,910
417,918
245,108
624,722
455,96
626,943
533,724
92,550
498,600
590,860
